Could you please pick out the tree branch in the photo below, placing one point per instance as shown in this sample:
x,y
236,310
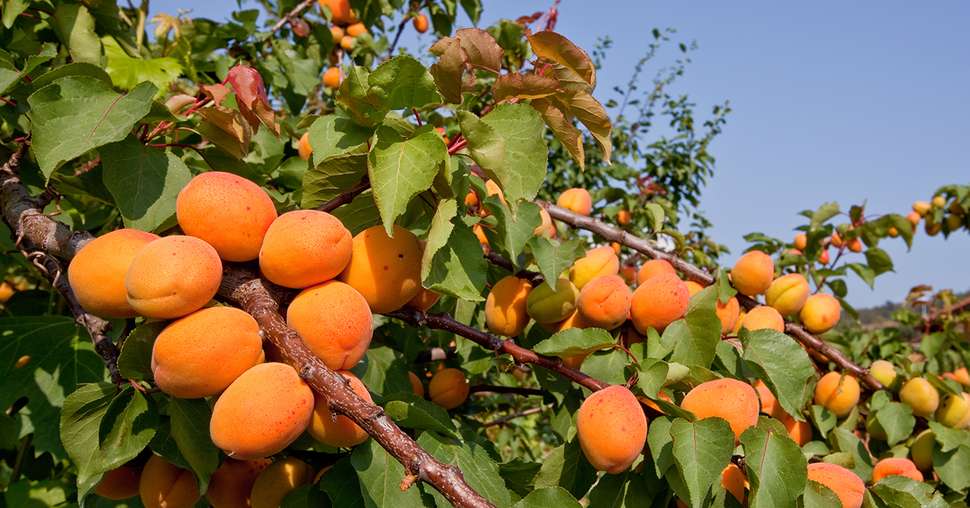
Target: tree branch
x,y
514,390
296,11
345,197
505,419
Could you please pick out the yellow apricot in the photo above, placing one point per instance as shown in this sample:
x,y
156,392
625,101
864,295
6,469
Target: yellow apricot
x,y
386,270
799,432
448,388
575,320
334,321
262,412
884,372
173,276
659,301
953,410
163,485
653,268
304,149
117,484
340,11
505,307
605,302
278,480
939,201
753,272
838,393
203,353
577,200
97,272
787,294
763,317
551,305
962,376
229,212
424,300
546,228
734,481
734,401
416,385
921,449
820,313
231,484
304,247
895,466
348,42
7,290
693,288
801,241
769,404
336,33
921,207
596,262
338,430
920,395
728,313
612,429
847,485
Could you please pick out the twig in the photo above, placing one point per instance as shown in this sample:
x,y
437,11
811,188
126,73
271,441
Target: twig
x,y
294,12
345,197
534,278
505,419
513,390
397,36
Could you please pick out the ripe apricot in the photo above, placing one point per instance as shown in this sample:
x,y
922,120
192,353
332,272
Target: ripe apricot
x,y
424,300
577,200
575,361
203,353
728,313
336,33
97,272
334,321
623,217
551,305
921,449
340,11
787,294
232,483
505,307
799,432
546,228
913,218
892,232
278,480
734,401
304,148
801,241
598,261
838,393
348,42
163,485
448,388
605,302
482,238
953,411
575,320
332,78
304,247
616,247
659,301
173,276
823,257
653,268
920,395
227,211
884,372
416,385
753,272
763,317
492,189
356,30
117,484
420,23
847,485
386,270
921,207
837,240
855,245
820,313
962,376
7,291
938,201
734,481
895,466
693,288
612,428
769,404
338,430
262,412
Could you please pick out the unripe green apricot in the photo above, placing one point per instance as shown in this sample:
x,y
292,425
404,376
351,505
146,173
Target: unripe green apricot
x,y
884,372
547,305
920,395
921,450
953,410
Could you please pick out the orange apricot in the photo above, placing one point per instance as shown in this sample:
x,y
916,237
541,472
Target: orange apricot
x,y
385,270
734,401
576,200
734,481
823,257
616,247
416,385
847,485
229,212
653,268
575,320
838,393
203,353
492,189
659,301
837,240
753,273
340,11
278,480
304,247
332,77
420,23
598,261
117,484
505,307
623,217
693,288
920,395
855,245
97,272
338,430
605,302
163,485
769,404
763,317
728,314
262,412
304,148
348,42
448,388
801,241
799,432
787,294
575,361
173,276
549,305
336,33
820,313
424,300
913,218
962,376
334,321
893,466
546,228
232,483
892,232
356,30
7,290
482,238
612,428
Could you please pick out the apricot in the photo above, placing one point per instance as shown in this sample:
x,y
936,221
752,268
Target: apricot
x,y
332,77
348,42
575,361
303,148
163,485
340,11
227,211
596,262
385,270
505,307
616,247
492,189
884,372
448,388
97,272
278,480
612,429
420,23
623,217
605,302
546,228
577,200
953,411
549,305
895,466
338,430
962,376
763,317
728,313
173,276
734,401
838,393
823,257
913,218
304,247
232,483
336,33
416,385
733,480
769,404
892,232
921,207
424,300
820,313
753,272
262,412
575,320
953,222
920,395
787,294
117,484
847,485
659,301
653,268
932,228
482,238
855,245
7,291
203,353
693,288
837,240
334,321
356,30
799,432
921,449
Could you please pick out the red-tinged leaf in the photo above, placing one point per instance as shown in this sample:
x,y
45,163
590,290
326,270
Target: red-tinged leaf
x,y
251,97
226,129
447,71
569,81
551,46
564,130
524,86
593,115
481,49
216,92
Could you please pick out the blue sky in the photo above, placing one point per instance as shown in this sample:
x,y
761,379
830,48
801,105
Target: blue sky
x,y
833,101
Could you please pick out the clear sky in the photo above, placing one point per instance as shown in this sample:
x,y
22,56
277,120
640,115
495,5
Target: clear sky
x,y
832,101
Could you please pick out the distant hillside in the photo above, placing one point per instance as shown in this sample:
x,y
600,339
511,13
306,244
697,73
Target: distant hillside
x,y
882,313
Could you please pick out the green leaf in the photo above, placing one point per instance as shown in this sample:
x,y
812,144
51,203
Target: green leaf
x,y
413,412
546,497
574,341
74,26
404,83
144,182
819,496
864,272
87,108
776,468
380,477
823,214
653,375
127,72
14,8
514,231
656,214
625,490
400,169
701,450
900,491
694,339
485,145
892,422
949,439
660,444
9,75
136,352
554,256
783,365
607,366
190,429
37,494
335,135
332,177
844,440
341,485
386,371
453,262
878,260
952,466
523,168
567,467
478,468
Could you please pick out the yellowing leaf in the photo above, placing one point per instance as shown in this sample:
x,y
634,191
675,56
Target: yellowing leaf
x,y
551,46
524,86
